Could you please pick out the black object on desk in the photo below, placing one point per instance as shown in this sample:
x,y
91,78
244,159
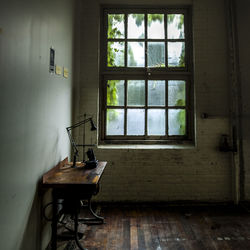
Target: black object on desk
x,y
92,162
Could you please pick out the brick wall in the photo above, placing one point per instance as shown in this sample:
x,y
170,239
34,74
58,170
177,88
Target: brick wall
x,y
197,173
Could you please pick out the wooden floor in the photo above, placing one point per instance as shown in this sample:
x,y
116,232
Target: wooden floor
x,y
165,227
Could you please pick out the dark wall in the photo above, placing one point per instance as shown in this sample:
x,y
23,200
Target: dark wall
x,y
243,21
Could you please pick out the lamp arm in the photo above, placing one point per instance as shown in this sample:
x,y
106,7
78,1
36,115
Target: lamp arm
x,y
78,124
72,142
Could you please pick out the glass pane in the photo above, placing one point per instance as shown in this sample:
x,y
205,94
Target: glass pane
x,y
115,122
176,121
115,92
136,93
136,26
156,26
156,122
115,54
136,122
156,93
176,93
115,25
175,26
136,54
176,54
156,54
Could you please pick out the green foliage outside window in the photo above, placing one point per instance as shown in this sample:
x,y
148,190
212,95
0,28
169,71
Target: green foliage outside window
x,y
114,32
182,121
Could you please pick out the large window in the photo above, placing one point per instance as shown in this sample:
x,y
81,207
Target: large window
x,y
146,75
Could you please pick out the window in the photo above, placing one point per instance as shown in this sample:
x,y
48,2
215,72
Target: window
x,y
146,75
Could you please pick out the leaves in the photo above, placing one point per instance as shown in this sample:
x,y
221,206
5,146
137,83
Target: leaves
x,y
112,98
139,18
115,25
182,121
115,54
182,57
155,17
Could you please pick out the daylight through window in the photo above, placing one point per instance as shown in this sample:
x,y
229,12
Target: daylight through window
x,y
146,75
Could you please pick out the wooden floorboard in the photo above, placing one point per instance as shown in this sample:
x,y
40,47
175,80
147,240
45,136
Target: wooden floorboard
x,y
141,227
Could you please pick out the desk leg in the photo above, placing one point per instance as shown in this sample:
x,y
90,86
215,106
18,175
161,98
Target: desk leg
x,y
93,213
76,232
54,221
92,221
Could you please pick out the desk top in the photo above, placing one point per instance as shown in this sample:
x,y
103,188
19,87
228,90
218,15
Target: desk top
x,y
63,174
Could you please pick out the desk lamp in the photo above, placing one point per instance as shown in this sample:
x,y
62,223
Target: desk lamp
x,y
92,161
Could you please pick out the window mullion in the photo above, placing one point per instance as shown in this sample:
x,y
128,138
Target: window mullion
x,y
146,107
126,40
166,105
126,65
125,107
145,40
166,39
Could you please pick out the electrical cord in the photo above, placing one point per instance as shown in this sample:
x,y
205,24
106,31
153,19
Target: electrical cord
x,y
45,207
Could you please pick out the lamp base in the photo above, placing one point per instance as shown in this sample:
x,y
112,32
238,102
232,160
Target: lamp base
x,y
91,164
74,162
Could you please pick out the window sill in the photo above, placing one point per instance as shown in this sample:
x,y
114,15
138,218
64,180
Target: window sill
x,y
187,146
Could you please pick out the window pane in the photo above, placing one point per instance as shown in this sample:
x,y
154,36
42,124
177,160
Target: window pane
x,y
115,55
156,93
136,93
115,122
156,54
176,93
156,26
136,54
136,26
115,93
176,54
176,122
156,122
175,26
136,122
115,25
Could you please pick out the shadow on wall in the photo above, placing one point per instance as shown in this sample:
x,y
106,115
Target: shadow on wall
x,y
37,231
36,235
32,233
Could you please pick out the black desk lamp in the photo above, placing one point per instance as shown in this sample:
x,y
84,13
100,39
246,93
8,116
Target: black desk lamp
x,y
92,161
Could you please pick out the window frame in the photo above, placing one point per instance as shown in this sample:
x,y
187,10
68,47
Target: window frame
x,y
147,73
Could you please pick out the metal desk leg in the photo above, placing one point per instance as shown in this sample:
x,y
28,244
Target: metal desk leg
x,y
93,213
96,220
76,232
54,222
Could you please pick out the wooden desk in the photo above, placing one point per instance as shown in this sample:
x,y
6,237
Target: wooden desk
x,y
73,185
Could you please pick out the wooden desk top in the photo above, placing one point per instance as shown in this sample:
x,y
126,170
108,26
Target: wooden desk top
x,y
63,174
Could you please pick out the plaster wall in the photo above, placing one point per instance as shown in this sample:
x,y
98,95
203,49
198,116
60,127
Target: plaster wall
x,y
198,173
35,108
